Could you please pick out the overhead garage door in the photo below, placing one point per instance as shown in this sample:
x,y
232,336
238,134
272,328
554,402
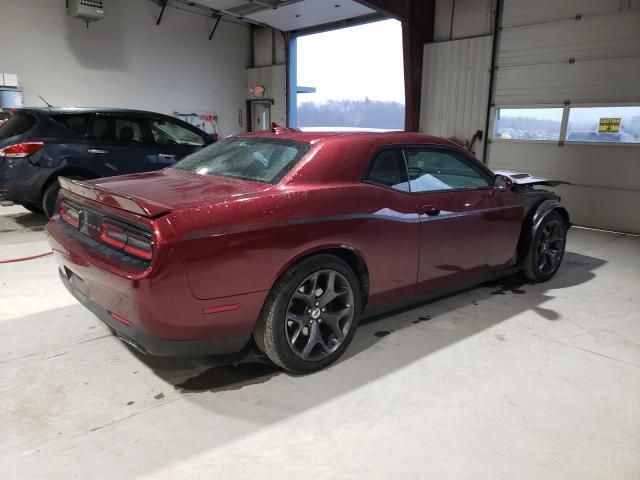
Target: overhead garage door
x,y
567,103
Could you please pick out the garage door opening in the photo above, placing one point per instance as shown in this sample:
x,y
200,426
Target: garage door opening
x,y
351,78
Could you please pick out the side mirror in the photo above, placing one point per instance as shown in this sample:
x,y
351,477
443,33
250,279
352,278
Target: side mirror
x,y
502,182
210,138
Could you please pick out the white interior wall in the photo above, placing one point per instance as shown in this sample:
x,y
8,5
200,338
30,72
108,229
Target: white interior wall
x,y
270,71
604,179
125,60
471,18
456,71
262,47
455,89
273,79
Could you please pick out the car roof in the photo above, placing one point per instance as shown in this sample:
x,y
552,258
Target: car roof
x,y
390,137
49,110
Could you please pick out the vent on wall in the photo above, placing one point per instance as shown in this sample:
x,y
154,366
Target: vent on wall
x,y
87,10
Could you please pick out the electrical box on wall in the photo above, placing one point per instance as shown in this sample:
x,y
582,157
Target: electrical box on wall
x,y
87,10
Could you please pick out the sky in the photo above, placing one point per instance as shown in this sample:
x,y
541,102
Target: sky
x,y
353,63
590,114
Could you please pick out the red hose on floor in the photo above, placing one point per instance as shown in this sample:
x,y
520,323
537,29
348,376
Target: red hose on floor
x,y
24,259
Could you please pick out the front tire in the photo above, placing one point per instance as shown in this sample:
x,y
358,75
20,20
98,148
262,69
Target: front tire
x,y
310,315
546,250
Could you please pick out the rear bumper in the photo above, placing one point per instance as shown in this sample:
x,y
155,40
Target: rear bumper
x,y
160,315
149,344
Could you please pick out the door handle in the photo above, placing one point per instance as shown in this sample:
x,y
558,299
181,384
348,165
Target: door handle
x,y
431,210
167,156
97,150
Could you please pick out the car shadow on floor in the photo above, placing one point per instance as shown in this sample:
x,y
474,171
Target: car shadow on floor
x,y
28,221
105,404
470,312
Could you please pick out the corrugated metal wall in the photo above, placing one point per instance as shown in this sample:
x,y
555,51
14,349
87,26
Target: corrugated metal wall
x,y
580,52
455,88
528,12
594,59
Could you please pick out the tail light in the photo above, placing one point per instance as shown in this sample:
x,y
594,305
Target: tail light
x,y
70,214
113,235
118,235
123,237
21,150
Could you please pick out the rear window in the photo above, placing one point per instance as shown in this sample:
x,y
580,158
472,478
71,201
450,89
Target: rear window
x,y
260,159
18,124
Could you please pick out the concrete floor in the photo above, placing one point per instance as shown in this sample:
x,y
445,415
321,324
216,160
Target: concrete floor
x,y
501,382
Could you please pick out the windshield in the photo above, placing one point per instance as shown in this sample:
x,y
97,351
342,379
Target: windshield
x,y
18,124
260,159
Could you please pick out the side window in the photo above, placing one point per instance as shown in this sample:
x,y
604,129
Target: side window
x,y
128,130
169,133
77,123
116,129
432,170
101,128
388,169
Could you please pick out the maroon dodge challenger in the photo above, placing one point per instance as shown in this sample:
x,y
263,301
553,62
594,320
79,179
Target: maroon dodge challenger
x,y
290,238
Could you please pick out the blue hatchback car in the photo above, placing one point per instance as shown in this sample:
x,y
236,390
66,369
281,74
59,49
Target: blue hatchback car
x,y
38,145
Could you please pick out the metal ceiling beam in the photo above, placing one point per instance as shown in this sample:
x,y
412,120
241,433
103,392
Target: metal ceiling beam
x,y
164,5
215,26
417,17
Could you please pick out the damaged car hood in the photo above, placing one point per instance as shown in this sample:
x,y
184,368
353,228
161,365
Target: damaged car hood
x,y
521,178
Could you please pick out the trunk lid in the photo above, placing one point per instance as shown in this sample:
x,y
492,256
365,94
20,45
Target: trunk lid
x,y
156,193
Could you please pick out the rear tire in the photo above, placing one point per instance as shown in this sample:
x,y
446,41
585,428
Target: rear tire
x,y
310,315
34,208
50,196
546,250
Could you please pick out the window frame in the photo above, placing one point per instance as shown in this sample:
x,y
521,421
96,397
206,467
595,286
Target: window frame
x,y
564,126
466,157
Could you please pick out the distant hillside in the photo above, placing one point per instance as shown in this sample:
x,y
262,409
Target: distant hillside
x,y
352,113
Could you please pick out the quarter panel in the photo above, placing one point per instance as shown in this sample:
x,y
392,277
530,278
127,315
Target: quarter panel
x,y
244,247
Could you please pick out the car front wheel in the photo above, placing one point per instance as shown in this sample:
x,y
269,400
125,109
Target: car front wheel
x,y
310,315
546,250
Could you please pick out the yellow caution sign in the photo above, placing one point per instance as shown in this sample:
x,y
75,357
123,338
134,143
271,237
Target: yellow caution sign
x,y
609,125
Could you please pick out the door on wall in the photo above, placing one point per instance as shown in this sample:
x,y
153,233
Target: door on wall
x,y
260,115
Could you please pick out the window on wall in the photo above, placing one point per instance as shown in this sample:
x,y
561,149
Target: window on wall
x,y
527,124
604,124
594,124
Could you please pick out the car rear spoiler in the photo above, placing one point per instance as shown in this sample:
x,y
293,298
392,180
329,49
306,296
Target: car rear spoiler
x,y
122,201
521,178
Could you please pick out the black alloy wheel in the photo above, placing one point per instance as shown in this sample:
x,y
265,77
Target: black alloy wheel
x,y
310,315
546,251
319,315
